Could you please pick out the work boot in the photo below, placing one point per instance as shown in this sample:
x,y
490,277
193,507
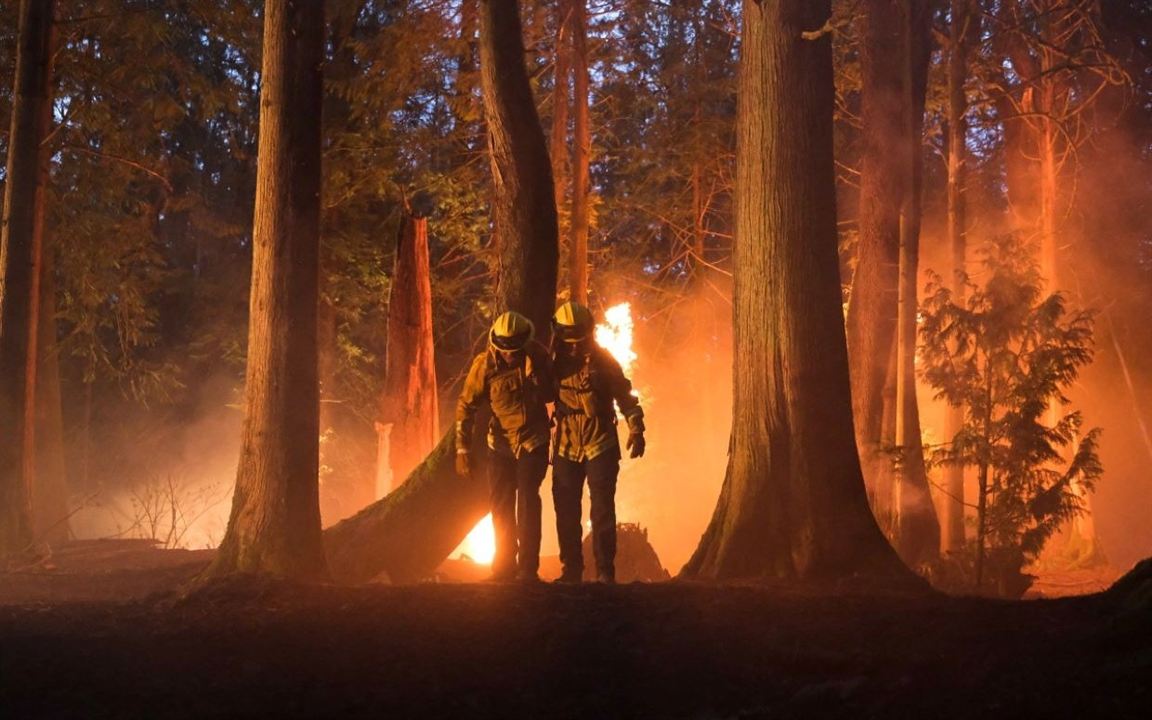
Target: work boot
x,y
527,577
570,577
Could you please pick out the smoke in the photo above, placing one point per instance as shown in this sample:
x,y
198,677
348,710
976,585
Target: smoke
x,y
169,479
684,375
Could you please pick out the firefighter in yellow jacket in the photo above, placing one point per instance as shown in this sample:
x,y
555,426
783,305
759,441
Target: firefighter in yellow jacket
x,y
514,377
591,384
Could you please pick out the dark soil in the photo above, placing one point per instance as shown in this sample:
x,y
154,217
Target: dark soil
x,y
256,648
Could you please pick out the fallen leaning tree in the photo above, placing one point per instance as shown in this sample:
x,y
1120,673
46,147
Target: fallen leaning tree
x,y
407,534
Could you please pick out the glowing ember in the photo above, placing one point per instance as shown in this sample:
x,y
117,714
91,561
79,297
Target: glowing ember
x,y
615,335
480,545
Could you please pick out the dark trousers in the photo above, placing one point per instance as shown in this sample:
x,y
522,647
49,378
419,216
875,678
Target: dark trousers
x,y
514,484
567,492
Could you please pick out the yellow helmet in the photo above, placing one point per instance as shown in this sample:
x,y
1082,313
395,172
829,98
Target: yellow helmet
x,y
572,322
511,331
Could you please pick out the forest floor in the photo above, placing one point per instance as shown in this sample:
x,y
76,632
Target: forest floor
x,y
112,636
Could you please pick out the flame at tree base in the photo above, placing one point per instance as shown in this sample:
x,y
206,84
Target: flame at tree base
x,y
480,545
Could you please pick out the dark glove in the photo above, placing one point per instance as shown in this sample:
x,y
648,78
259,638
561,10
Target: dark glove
x,y
635,445
463,464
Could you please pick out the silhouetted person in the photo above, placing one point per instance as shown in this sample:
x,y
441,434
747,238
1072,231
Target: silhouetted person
x,y
514,376
591,384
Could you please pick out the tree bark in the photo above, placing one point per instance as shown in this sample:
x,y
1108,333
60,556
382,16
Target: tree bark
x,y
581,157
524,207
409,410
407,534
20,242
275,523
793,503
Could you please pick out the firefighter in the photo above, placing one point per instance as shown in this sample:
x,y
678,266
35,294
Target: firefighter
x,y
514,377
591,384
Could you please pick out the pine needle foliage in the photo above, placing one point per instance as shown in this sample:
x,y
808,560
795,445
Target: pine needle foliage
x,y
1007,356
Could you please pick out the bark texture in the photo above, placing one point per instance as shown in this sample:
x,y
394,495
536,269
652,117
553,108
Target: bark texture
x,y
409,410
523,206
893,93
407,534
20,241
793,504
275,523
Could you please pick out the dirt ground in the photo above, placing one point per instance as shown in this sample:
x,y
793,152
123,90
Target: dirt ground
x,y
72,646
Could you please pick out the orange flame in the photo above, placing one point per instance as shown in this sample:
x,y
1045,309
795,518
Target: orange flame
x,y
480,545
615,335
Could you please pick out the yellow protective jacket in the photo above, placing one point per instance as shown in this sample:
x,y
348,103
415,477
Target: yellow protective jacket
x,y
591,385
517,394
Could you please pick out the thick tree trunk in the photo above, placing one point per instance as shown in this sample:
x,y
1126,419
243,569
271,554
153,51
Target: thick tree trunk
x,y
524,207
275,522
581,157
409,411
961,33
793,503
20,241
893,94
407,534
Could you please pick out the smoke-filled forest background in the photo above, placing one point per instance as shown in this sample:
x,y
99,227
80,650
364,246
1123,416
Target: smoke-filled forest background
x,y
152,179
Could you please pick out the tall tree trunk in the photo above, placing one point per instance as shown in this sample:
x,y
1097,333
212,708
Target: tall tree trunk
x,y
524,207
409,410
20,241
793,503
50,514
961,33
581,157
326,349
275,522
892,106
871,320
561,89
407,534
917,530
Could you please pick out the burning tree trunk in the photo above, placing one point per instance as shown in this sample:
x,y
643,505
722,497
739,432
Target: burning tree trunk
x,y
793,503
20,249
893,101
409,411
412,530
581,157
275,522
962,32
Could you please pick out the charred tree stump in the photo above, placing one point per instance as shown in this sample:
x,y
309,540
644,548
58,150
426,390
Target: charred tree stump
x,y
409,408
